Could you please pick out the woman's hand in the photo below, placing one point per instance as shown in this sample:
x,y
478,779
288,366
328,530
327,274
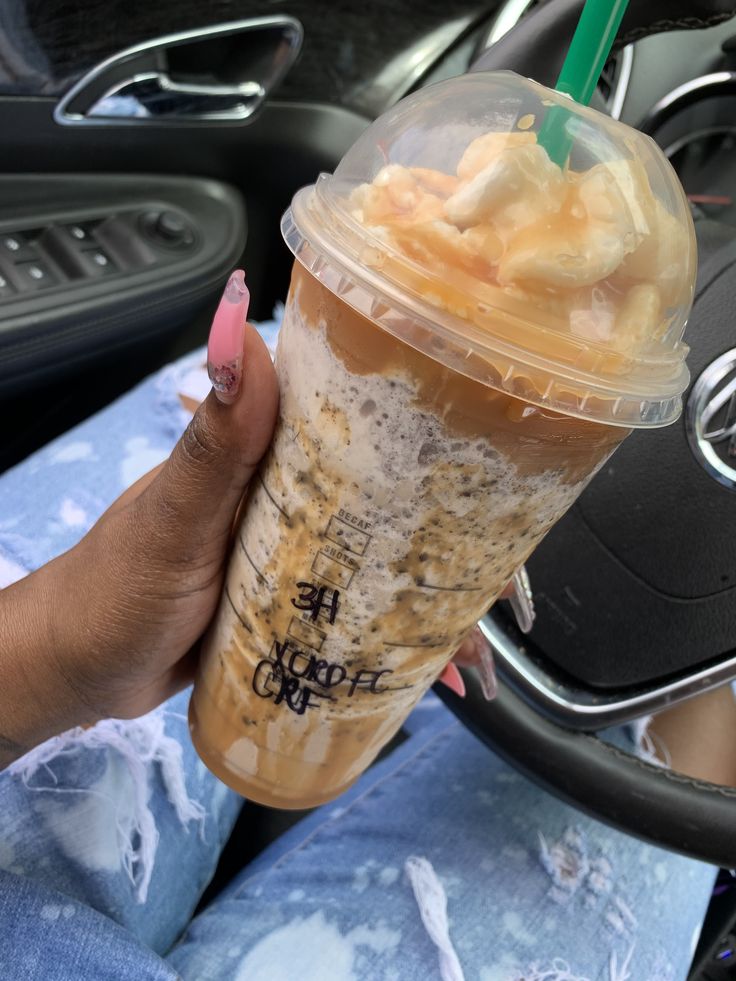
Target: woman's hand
x,y
110,628
153,565
476,652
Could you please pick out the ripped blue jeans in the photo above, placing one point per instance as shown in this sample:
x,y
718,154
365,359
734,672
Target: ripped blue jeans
x,y
442,862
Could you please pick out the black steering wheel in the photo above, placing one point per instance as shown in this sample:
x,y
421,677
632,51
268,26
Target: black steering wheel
x,y
665,808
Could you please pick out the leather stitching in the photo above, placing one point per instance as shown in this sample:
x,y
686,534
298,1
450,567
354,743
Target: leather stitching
x,y
680,24
712,789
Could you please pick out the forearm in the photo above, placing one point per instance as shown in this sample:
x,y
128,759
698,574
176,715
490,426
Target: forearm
x,y
35,699
698,736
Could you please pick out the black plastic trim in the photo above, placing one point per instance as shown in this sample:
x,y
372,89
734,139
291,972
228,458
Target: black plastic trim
x,y
44,333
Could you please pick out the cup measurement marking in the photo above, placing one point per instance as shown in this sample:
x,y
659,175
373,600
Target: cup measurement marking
x,y
293,667
399,643
332,570
447,589
347,534
337,567
306,634
270,496
293,662
236,612
255,568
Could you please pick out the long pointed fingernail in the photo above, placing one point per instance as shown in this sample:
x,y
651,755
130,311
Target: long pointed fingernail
x,y
522,601
225,345
452,678
486,665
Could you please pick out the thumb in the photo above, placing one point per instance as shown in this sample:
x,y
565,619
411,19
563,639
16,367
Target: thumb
x,y
198,489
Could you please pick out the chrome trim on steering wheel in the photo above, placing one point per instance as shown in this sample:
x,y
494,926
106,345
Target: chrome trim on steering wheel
x,y
508,16
686,95
580,708
615,102
710,420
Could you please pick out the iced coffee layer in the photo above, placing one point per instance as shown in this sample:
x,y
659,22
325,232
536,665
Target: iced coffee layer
x,y
549,441
587,267
394,505
270,778
264,748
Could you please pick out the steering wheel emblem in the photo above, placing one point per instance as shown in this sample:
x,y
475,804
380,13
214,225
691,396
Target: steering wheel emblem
x,y
710,420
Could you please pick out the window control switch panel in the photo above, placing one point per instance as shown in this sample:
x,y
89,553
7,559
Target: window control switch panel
x,y
68,253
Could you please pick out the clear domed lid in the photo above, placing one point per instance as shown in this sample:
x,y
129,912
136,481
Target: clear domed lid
x,y
448,224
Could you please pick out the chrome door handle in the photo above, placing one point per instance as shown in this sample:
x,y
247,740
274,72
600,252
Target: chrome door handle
x,y
217,74
241,90
153,96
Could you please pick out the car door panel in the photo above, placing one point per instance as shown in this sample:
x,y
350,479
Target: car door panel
x,y
95,264
354,61
349,56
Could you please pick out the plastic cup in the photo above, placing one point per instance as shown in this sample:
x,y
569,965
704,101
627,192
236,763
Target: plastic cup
x,y
470,333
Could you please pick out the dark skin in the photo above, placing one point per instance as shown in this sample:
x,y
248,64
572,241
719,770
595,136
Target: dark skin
x,y
111,628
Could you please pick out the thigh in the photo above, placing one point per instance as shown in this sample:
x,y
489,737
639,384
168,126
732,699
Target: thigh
x,y
51,499
123,818
48,937
533,889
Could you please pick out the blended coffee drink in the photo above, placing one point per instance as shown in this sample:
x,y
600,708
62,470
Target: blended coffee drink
x,y
471,331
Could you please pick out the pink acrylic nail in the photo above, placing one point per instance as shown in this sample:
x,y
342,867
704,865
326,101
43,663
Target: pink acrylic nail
x,y
521,600
486,665
225,345
452,678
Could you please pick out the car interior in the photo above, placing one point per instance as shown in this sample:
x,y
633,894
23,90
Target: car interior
x,y
149,149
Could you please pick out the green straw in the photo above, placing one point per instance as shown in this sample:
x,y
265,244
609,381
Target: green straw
x,y
589,49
